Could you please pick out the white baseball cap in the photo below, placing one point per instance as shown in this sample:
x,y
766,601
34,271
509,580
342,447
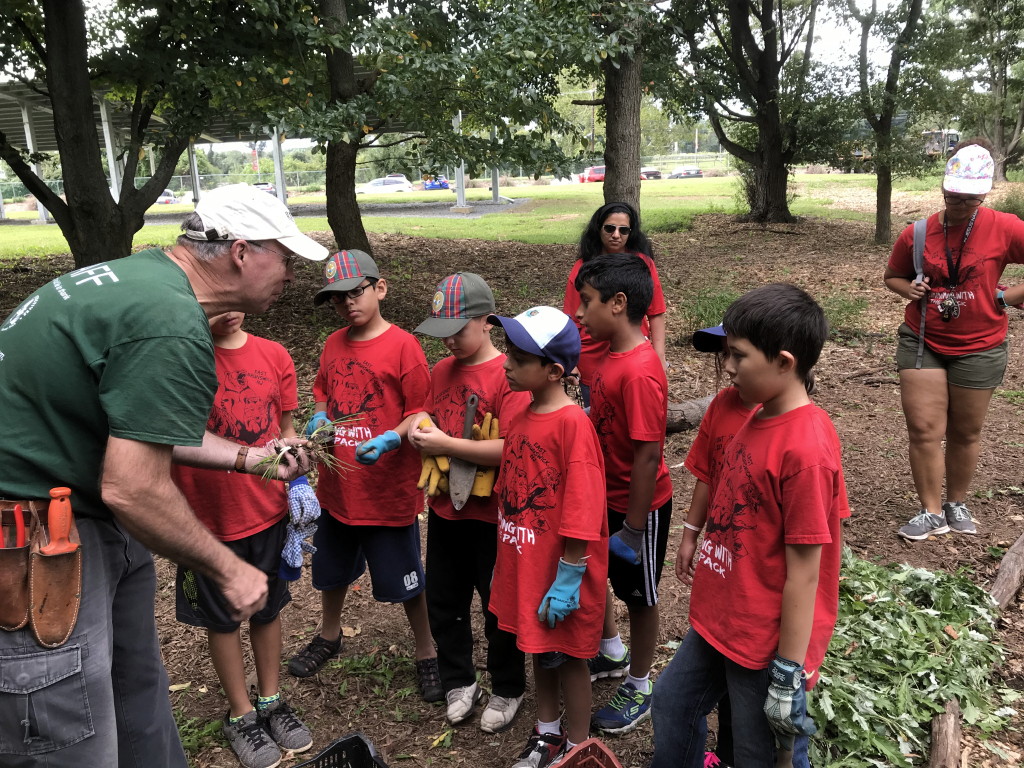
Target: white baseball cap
x,y
241,212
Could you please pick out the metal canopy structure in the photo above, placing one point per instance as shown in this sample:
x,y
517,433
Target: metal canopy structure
x,y
26,119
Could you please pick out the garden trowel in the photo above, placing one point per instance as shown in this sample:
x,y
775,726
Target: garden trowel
x,y
462,473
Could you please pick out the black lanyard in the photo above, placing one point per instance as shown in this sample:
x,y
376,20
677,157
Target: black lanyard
x,y
954,269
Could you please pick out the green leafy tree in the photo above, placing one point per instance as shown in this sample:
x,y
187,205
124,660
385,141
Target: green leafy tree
x,y
991,38
750,65
152,59
881,95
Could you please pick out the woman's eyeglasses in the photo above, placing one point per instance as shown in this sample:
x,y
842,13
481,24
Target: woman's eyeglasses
x,y
970,202
355,293
610,229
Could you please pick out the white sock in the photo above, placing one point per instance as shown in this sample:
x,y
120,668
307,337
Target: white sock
x,y
554,728
642,684
613,647
569,745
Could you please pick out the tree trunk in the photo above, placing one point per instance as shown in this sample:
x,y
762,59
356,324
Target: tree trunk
x,y
769,203
883,204
342,209
95,227
945,747
1010,575
622,96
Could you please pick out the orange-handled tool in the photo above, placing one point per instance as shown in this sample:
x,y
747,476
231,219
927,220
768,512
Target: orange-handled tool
x,y
58,520
19,526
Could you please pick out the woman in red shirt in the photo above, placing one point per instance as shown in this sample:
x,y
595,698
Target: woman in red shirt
x,y
946,383
615,228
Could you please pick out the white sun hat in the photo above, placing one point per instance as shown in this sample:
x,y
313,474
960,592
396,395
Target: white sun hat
x,y
241,212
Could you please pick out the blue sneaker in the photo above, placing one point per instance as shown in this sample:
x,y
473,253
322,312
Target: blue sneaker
x,y
606,666
627,709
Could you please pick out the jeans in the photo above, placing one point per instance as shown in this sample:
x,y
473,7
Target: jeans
x,y
101,698
693,683
460,559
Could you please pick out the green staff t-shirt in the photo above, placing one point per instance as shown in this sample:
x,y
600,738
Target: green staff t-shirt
x,y
117,349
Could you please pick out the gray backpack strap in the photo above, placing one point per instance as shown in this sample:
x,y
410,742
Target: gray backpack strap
x,y
919,234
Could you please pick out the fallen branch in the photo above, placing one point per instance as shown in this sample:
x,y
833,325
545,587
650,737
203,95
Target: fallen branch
x,y
686,415
1010,575
945,749
866,371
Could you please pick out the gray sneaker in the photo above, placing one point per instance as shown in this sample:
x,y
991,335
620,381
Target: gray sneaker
x,y
285,727
252,744
958,517
923,526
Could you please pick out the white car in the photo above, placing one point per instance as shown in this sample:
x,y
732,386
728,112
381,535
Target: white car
x,y
385,185
167,198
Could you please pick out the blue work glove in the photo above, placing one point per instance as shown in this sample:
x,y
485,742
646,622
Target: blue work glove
x,y
627,543
304,511
564,596
368,451
786,704
318,420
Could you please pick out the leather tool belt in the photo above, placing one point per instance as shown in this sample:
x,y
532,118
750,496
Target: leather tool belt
x,y
39,589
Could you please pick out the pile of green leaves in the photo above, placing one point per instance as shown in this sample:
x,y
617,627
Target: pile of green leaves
x,y
906,641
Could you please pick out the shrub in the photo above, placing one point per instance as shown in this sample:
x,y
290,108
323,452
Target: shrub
x,y
1011,202
715,172
816,169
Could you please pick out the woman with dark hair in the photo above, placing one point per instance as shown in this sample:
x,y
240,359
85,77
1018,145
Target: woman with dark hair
x,y
615,228
951,353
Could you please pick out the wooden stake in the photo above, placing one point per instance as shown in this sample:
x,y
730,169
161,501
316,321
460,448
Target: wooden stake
x,y
1010,575
945,751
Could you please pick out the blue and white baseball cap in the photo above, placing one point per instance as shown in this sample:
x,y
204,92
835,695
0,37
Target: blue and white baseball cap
x,y
545,332
709,339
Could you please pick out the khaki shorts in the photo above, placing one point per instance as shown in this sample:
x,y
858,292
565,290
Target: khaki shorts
x,y
977,370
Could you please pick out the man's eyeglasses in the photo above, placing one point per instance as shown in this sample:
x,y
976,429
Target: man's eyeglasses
x,y
970,202
289,258
610,229
355,293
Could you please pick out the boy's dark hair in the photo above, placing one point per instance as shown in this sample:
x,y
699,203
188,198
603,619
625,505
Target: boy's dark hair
x,y
625,273
590,240
780,317
512,350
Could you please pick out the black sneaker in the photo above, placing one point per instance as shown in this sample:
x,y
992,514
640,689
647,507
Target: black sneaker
x,y
429,677
285,727
311,659
251,743
542,750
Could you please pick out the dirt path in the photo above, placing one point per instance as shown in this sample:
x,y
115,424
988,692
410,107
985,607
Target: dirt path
x,y
371,690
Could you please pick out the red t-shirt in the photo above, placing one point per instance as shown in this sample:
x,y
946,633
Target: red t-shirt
x,y
451,384
384,379
996,240
256,384
629,401
781,483
551,487
592,351
725,415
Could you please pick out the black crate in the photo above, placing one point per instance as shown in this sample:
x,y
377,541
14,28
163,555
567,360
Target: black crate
x,y
352,751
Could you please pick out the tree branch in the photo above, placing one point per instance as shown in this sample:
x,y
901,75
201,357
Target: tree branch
x,y
32,40
51,201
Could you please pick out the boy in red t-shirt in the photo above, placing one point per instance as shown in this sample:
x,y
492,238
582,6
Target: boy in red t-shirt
x,y
462,543
552,560
372,375
766,589
629,408
256,395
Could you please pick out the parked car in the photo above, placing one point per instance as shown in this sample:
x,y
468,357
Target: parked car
x,y
649,173
167,198
401,176
385,185
436,182
266,186
686,172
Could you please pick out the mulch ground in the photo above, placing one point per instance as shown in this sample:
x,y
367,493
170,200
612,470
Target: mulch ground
x,y
371,689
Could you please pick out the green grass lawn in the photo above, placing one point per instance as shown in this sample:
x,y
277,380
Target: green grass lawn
x,y
553,213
